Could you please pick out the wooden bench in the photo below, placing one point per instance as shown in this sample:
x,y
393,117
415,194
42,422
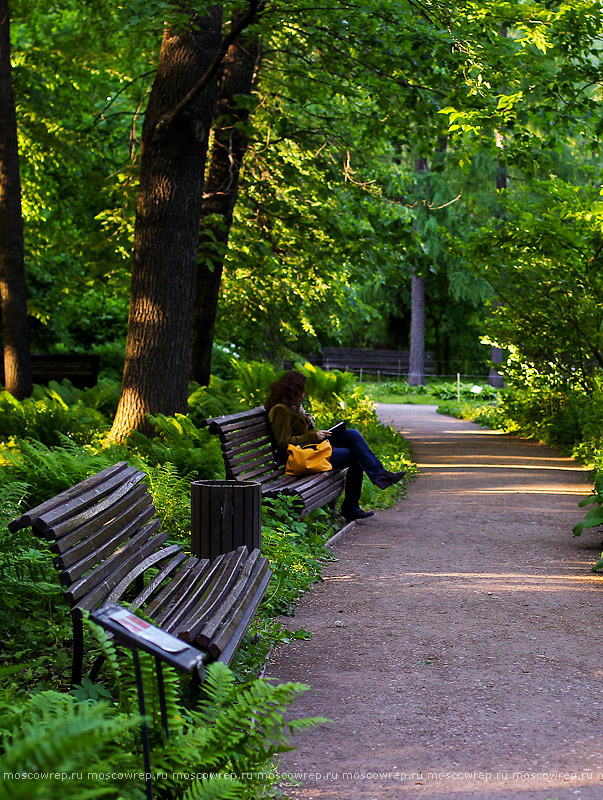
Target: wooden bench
x,y
249,455
80,369
386,362
105,537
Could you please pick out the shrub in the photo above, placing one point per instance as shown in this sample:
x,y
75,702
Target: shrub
x,y
193,451
47,416
232,737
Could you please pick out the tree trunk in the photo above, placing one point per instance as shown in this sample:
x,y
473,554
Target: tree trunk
x,y
166,240
13,292
497,354
495,378
219,198
416,370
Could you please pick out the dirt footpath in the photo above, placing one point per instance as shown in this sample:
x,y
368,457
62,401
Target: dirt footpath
x,y
455,640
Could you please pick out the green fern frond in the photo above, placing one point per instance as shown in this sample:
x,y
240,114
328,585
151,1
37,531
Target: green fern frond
x,y
12,496
57,735
218,688
214,789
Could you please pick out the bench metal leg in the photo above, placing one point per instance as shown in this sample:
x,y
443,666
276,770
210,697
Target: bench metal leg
x,y
96,667
78,651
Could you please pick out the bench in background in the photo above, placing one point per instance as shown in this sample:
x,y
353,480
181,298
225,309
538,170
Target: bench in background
x,y
81,370
249,455
106,538
386,362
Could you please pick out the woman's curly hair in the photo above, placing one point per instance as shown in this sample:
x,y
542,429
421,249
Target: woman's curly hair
x,y
289,389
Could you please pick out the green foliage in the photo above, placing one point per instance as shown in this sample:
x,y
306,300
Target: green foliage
x,y
192,450
252,382
215,400
50,470
171,496
295,548
26,573
237,732
486,414
594,516
63,744
52,413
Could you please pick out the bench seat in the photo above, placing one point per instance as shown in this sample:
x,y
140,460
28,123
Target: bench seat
x,y
108,547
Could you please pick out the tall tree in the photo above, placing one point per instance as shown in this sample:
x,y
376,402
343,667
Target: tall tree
x,y
220,193
15,331
174,146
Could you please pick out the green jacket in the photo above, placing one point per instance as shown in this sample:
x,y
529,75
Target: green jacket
x,y
290,427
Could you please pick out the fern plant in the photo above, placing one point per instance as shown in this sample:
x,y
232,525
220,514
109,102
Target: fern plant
x,y
237,732
58,746
192,450
27,576
171,497
252,382
50,470
232,737
48,414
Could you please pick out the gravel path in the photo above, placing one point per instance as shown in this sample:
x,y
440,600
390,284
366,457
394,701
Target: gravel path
x,y
455,638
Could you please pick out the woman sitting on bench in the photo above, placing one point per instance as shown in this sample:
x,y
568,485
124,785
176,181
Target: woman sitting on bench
x,y
291,424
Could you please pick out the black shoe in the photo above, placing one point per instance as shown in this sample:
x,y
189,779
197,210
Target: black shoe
x,y
356,513
388,479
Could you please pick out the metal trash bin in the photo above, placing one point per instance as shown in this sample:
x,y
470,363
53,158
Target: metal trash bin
x,y
225,515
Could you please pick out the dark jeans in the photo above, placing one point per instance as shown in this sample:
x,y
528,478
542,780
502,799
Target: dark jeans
x,y
350,450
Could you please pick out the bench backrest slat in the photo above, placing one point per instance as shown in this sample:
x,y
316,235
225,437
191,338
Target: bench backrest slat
x,y
88,555
99,530
122,570
78,587
235,450
250,461
30,517
391,362
240,456
103,523
247,446
240,419
95,509
260,474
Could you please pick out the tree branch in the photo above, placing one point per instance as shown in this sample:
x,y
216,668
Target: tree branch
x,y
254,9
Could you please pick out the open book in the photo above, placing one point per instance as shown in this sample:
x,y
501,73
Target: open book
x,y
337,429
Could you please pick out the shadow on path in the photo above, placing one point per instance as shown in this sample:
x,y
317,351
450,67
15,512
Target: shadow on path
x,y
454,638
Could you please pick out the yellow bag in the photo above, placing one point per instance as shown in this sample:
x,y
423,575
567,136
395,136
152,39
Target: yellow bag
x,y
304,459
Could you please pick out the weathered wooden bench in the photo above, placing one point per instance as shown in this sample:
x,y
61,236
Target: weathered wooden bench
x,y
80,368
106,537
249,455
390,363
